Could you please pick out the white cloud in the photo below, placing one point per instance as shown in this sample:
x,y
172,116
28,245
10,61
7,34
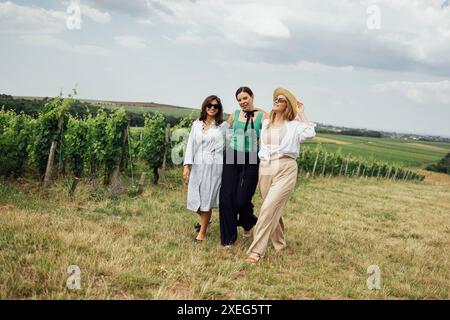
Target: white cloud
x,y
132,42
255,25
419,92
142,9
95,15
414,35
144,21
53,42
303,66
22,19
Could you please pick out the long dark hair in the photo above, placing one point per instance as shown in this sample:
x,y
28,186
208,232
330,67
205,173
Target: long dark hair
x,y
246,90
219,115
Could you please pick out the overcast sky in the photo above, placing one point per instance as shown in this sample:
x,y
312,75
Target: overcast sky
x,y
368,64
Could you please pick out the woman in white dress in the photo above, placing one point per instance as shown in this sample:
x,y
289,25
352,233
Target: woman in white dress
x,y
203,162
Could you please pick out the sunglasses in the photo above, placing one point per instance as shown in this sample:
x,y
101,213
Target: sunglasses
x,y
214,106
279,100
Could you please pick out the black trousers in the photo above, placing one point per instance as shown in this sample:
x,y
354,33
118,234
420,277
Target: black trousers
x,y
239,181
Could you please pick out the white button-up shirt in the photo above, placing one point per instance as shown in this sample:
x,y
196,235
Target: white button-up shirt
x,y
205,148
296,133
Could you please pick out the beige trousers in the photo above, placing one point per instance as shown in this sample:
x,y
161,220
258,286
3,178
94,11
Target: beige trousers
x,y
277,179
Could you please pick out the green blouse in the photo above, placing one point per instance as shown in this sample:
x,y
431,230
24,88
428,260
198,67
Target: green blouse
x,y
239,133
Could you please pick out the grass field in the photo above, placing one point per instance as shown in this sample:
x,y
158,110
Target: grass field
x,y
410,153
140,247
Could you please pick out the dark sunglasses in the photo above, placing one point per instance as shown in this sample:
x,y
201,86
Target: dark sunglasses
x,y
279,100
214,106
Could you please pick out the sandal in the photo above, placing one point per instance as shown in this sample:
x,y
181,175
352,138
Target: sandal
x,y
197,226
252,259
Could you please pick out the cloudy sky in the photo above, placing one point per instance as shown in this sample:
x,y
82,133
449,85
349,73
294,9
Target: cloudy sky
x,y
368,64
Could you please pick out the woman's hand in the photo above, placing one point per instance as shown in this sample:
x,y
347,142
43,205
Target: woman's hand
x,y
301,108
301,113
186,174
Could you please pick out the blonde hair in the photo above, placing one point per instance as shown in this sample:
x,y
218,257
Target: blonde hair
x,y
289,114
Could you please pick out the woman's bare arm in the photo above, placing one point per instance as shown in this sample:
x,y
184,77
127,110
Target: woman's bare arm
x,y
265,114
230,119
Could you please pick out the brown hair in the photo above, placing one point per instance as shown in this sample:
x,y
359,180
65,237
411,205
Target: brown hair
x,y
219,115
246,90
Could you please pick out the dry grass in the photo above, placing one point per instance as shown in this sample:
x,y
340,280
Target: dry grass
x,y
140,248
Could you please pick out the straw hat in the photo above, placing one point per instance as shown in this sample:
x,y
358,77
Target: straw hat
x,y
289,96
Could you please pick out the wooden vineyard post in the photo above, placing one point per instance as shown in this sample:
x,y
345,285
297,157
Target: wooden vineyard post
x,y
142,182
116,172
51,156
395,174
407,175
342,167
359,168
346,167
315,164
324,164
164,164
301,163
388,174
74,186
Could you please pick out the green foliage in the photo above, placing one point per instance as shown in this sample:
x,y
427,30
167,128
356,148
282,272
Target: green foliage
x,y
179,138
104,140
76,145
15,136
97,141
153,140
46,129
81,109
117,122
92,145
132,150
442,166
336,164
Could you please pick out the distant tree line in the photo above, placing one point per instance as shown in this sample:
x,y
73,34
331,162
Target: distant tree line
x,y
362,133
351,132
33,107
442,166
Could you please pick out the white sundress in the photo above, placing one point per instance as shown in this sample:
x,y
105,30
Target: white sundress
x,y
204,151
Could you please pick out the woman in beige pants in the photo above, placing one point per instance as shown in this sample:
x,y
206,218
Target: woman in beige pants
x,y
281,136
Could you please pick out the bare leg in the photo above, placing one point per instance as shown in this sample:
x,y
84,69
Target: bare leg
x,y
205,217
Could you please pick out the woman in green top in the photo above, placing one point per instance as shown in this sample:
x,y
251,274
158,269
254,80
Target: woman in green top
x,y
240,169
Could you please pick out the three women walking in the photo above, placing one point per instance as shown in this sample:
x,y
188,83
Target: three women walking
x,y
262,149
